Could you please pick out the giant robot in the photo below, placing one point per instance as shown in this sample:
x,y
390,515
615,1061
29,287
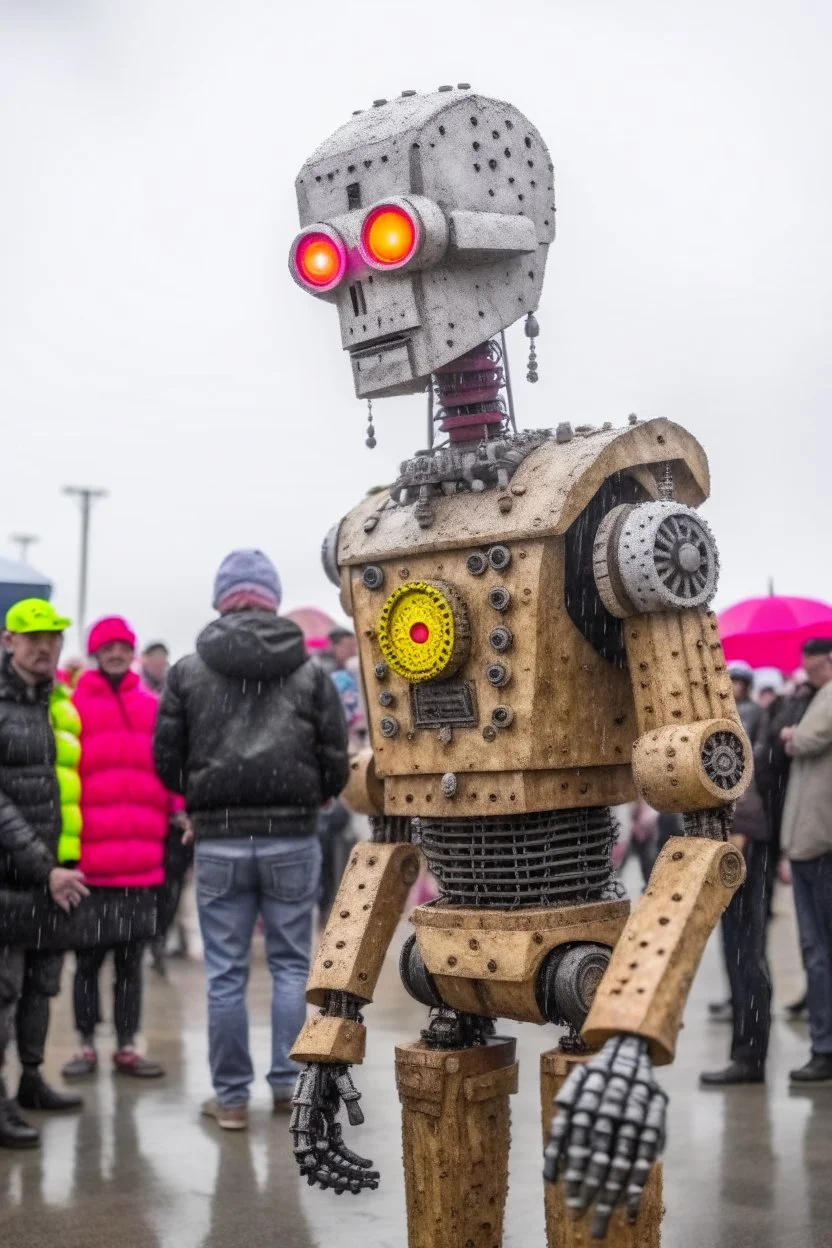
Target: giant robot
x,y
536,646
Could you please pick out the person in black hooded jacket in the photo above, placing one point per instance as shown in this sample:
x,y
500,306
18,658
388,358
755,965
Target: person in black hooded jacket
x,y
253,734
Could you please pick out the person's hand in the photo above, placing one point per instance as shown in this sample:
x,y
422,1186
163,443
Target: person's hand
x,y
607,1132
67,887
182,821
319,1149
786,735
738,841
784,871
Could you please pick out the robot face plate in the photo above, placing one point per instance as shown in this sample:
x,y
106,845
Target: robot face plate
x,y
427,222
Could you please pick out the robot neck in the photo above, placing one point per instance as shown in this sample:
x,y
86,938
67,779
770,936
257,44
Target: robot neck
x,y
469,389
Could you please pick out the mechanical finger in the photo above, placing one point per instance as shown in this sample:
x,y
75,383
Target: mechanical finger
x,y
577,1157
649,1144
349,1095
617,1177
561,1125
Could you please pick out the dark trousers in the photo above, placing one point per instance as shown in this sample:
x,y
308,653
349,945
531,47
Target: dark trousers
x,y
336,840
127,990
744,942
12,971
178,859
812,884
41,981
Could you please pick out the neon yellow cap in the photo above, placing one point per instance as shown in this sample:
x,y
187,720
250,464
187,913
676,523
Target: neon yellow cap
x,y
35,615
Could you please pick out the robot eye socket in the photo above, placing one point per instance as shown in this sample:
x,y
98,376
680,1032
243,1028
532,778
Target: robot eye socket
x,y
390,236
318,259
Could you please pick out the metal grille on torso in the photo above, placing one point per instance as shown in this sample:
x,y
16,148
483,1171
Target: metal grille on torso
x,y
550,858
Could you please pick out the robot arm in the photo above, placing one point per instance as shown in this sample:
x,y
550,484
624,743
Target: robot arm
x,y
364,916
655,568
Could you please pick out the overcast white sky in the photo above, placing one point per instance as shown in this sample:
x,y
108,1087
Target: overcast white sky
x,y
152,342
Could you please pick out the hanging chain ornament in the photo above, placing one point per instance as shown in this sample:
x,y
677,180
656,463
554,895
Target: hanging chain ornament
x,y
532,329
371,432
667,488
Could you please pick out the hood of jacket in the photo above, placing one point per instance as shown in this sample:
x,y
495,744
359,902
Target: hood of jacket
x,y
252,645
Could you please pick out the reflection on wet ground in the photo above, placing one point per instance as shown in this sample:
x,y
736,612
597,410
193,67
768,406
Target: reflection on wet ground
x,y
140,1169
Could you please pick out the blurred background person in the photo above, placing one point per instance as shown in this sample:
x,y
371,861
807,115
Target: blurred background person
x,y
644,838
153,666
125,810
807,840
335,825
30,829
179,856
771,772
252,732
69,673
743,923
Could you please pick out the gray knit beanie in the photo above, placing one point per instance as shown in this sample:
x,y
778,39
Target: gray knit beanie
x,y
247,574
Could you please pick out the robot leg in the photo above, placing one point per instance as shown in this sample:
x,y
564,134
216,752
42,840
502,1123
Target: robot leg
x,y
561,1230
455,1126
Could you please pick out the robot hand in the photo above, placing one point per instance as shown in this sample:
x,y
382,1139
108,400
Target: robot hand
x,y
319,1148
608,1131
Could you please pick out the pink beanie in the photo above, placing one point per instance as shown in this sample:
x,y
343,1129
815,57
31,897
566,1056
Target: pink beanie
x,y
111,628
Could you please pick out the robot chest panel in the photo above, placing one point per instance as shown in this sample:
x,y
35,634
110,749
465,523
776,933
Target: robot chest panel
x,y
471,663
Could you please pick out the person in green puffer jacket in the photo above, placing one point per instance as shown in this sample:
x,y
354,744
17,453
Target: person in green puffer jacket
x,y
66,725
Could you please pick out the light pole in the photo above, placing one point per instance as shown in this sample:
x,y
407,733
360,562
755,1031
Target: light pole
x,y
86,496
23,541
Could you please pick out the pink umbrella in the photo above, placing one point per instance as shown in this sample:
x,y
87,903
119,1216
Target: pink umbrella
x,y
769,632
315,625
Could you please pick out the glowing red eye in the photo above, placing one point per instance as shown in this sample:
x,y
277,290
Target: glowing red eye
x,y
419,633
319,262
390,236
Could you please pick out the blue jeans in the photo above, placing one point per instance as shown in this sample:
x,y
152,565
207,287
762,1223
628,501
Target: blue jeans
x,y
812,884
235,881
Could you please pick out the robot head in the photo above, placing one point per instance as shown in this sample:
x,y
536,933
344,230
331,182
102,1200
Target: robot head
x,y
427,221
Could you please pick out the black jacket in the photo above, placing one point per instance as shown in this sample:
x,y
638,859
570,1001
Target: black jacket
x,y
250,731
30,806
771,762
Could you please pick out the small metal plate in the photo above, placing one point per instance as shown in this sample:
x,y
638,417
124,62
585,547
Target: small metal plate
x,y
438,702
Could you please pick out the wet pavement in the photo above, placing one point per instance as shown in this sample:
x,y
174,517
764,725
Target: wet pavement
x,y
746,1168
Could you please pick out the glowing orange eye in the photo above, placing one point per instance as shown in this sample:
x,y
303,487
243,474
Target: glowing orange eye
x,y
319,261
389,236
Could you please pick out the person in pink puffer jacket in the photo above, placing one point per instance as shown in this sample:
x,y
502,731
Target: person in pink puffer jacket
x,y
125,813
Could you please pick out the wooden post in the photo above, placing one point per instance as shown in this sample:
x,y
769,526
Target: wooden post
x,y
455,1128
561,1230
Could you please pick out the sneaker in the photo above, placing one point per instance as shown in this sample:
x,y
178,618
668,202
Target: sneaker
x,y
734,1073
229,1117
82,1064
131,1062
817,1070
35,1093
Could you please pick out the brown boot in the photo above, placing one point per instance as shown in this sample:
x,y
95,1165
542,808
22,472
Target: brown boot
x,y
229,1117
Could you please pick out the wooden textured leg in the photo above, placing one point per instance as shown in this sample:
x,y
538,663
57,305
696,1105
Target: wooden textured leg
x,y
561,1231
455,1128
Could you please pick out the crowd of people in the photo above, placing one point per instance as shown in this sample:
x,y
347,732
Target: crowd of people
x,y
110,771
783,826
117,773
